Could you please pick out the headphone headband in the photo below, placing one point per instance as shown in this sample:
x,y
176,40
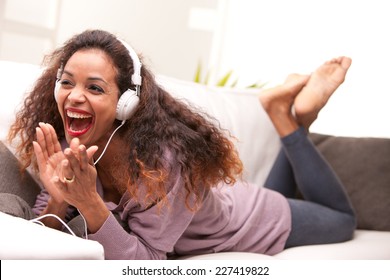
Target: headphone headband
x,y
129,100
136,77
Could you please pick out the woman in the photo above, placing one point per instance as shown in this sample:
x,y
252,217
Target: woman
x,y
152,181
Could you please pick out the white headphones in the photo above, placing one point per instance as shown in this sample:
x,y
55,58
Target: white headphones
x,y
129,100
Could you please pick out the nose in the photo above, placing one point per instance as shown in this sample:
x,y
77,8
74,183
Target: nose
x,y
76,95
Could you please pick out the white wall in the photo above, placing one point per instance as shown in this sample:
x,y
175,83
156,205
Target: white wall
x,y
267,40
158,29
173,35
27,29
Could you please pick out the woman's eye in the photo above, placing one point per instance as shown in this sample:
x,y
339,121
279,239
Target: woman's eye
x,y
65,83
96,88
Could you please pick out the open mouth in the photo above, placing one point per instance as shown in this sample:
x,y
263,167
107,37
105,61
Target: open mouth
x,y
78,122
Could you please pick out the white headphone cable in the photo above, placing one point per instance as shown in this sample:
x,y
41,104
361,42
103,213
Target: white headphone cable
x,y
108,142
38,221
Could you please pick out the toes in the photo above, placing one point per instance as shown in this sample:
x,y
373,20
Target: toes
x,y
343,61
346,62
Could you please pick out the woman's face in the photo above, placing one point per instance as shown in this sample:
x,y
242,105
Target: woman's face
x,y
88,96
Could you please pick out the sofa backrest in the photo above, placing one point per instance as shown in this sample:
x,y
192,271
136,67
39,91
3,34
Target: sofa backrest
x,y
16,79
240,112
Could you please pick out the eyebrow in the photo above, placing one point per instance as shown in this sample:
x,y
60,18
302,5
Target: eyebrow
x,y
89,78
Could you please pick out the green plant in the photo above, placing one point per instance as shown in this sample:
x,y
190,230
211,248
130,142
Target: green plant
x,y
224,81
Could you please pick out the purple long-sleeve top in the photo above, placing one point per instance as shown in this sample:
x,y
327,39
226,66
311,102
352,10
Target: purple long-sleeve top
x,y
240,218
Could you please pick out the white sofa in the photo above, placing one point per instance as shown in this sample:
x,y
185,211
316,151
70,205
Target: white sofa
x,y
237,111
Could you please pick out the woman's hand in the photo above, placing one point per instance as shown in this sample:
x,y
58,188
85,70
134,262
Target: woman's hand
x,y
49,157
78,184
69,177
77,176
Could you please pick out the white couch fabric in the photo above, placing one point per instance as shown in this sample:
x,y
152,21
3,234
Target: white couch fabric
x,y
22,239
366,245
241,114
237,111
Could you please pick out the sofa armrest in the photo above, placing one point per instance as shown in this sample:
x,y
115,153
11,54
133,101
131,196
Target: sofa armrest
x,y
22,239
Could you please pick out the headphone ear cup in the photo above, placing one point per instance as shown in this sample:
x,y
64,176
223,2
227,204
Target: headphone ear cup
x,y
127,104
57,89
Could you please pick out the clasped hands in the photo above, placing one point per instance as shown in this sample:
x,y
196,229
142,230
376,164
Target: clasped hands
x,y
69,176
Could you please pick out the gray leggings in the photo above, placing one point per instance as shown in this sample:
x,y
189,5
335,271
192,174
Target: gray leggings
x,y
326,214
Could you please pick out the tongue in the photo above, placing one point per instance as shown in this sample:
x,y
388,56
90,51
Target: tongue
x,y
80,124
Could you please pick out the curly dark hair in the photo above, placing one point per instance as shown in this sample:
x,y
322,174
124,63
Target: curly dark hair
x,y
204,152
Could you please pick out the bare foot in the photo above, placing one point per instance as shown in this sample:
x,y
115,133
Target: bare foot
x,y
320,87
278,102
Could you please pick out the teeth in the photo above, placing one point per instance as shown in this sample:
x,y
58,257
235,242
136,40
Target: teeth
x,y
77,115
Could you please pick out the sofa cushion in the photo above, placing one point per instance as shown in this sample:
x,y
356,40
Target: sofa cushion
x,y
363,165
365,245
12,181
